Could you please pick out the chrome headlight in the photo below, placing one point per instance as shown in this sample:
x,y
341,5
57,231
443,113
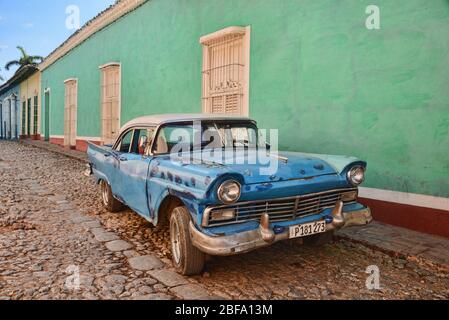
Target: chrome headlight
x,y
229,192
356,175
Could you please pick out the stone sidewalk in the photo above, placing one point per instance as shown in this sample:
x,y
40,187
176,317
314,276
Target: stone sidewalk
x,y
400,242
395,241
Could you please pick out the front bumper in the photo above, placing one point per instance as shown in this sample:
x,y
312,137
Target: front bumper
x,y
264,236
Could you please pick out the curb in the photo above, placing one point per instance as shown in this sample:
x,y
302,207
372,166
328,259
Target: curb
x,y
397,254
61,152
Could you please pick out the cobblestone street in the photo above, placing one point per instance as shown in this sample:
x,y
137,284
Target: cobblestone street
x,y
52,222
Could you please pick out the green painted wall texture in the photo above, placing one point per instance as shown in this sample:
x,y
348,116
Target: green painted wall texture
x,y
318,74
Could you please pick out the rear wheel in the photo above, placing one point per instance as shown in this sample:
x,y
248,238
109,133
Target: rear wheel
x,y
188,259
319,239
109,202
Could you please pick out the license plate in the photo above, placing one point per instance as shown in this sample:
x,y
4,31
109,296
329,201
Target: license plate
x,y
308,229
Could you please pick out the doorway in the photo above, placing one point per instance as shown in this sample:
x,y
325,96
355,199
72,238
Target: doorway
x,y
70,112
1,121
110,102
29,117
47,115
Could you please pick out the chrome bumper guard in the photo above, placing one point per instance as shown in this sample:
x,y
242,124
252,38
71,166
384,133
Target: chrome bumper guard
x,y
264,236
88,172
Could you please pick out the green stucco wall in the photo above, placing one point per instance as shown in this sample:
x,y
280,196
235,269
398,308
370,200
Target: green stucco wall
x,y
317,74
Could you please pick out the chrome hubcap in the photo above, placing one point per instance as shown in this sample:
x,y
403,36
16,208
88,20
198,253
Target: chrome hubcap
x,y
104,192
175,241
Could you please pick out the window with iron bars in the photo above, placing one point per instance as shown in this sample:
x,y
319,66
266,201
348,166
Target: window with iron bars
x,y
35,115
24,118
225,71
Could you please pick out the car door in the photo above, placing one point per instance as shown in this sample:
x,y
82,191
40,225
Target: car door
x,y
133,171
112,163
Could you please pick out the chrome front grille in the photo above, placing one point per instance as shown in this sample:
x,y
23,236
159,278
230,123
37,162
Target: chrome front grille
x,y
283,209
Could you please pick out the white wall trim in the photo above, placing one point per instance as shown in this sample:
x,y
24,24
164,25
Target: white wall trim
x,y
205,40
77,138
47,91
110,64
70,80
98,139
413,199
246,106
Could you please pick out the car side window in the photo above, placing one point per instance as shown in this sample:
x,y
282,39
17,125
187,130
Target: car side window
x,y
140,133
150,137
125,144
135,142
160,145
172,135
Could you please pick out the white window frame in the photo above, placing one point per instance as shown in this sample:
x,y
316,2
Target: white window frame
x,y
47,90
205,40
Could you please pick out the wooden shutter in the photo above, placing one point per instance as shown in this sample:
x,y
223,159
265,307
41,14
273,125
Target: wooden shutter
x,y
67,115
73,112
70,112
110,104
224,83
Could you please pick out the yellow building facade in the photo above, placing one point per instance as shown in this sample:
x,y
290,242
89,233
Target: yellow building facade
x,y
30,106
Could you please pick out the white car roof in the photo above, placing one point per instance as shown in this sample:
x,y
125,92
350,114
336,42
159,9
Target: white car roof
x,y
157,120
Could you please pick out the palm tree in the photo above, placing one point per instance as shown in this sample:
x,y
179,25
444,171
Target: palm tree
x,y
24,60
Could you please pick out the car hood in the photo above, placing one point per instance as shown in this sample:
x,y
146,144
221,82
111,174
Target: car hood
x,y
284,166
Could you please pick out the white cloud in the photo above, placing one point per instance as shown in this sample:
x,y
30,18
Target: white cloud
x,y
28,25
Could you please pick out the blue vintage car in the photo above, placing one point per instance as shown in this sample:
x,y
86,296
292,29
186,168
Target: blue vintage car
x,y
203,176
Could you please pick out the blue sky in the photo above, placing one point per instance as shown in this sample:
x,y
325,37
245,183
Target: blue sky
x,y
38,25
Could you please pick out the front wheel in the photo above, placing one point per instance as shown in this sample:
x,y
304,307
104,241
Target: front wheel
x,y
188,259
109,202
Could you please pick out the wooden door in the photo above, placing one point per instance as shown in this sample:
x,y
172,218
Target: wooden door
x,y
70,113
29,117
110,103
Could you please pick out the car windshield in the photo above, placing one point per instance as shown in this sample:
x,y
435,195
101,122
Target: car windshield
x,y
211,134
